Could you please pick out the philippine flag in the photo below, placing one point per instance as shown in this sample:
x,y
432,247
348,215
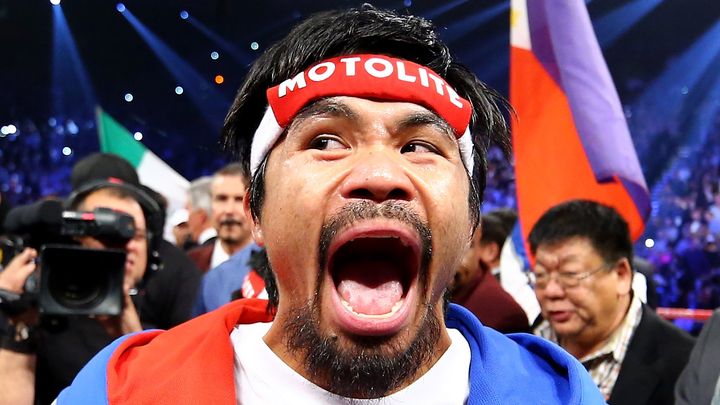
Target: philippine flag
x,y
570,136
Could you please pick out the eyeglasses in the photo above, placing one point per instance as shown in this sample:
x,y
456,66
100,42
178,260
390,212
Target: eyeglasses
x,y
567,279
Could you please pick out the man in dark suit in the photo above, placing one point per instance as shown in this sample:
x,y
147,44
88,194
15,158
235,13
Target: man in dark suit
x,y
699,382
582,278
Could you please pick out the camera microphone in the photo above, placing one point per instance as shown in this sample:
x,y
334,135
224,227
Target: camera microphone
x,y
45,215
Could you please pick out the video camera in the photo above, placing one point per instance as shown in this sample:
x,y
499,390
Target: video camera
x,y
70,279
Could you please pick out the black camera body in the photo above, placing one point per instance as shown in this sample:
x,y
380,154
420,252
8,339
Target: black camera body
x,y
70,279
76,280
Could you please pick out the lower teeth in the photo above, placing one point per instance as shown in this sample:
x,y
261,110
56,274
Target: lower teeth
x,y
394,309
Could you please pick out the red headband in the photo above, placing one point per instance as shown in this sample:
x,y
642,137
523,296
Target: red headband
x,y
370,76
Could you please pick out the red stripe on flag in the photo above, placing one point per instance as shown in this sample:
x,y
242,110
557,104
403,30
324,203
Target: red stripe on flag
x,y
550,162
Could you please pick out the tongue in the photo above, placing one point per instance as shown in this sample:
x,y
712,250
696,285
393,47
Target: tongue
x,y
371,287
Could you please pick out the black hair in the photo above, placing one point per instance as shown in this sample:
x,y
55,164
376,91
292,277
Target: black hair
x,y
492,230
606,230
363,30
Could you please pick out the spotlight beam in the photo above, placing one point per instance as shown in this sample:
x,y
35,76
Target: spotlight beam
x,y
460,28
617,22
666,97
243,58
440,10
207,99
71,85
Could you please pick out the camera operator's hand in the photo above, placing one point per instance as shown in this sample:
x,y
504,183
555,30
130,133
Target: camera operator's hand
x,y
127,322
13,277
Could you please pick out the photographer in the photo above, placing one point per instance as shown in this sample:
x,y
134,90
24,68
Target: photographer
x,y
158,293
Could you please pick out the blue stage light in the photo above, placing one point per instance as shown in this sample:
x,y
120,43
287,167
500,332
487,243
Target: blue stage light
x,y
214,55
179,90
128,97
407,3
254,46
184,15
55,2
120,7
72,127
67,151
138,136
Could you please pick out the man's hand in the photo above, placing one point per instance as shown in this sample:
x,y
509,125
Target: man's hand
x,y
127,322
13,277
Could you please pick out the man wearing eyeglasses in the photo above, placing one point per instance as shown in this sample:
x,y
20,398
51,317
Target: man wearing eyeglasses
x,y
582,279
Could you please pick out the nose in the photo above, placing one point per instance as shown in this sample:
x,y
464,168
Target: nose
x,y
378,175
553,289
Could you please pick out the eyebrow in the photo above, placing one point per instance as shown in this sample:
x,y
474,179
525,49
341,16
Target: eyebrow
x,y
424,118
329,107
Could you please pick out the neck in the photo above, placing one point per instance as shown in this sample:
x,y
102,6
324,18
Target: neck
x,y
232,247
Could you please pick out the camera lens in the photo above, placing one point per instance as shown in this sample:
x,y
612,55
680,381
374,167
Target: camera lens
x,y
78,286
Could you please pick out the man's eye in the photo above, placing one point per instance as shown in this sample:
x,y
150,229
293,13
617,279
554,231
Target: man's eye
x,y
326,143
418,147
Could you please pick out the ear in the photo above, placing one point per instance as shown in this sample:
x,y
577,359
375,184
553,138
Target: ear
x,y
489,252
625,275
254,225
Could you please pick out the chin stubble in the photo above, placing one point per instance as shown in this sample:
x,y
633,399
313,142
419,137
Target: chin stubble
x,y
361,367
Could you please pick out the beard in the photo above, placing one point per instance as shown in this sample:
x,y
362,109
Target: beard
x,y
363,366
369,367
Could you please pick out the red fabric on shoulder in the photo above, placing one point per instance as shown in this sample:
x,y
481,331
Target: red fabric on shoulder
x,y
191,363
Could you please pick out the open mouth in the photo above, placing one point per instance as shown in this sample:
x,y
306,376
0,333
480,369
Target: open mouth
x,y
374,273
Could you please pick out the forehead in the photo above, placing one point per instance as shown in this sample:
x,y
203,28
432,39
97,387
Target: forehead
x,y
574,249
105,199
227,184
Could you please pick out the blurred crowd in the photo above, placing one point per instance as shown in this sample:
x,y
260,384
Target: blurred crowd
x,y
37,155
681,239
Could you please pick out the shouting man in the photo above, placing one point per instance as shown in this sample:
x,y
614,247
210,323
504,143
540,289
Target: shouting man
x,y
365,144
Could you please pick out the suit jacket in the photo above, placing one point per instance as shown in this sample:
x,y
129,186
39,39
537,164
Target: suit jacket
x,y
657,353
699,379
202,254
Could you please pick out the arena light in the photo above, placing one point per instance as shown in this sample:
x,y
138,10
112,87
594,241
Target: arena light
x,y
72,127
128,97
214,55
219,79
138,136
120,7
4,131
179,90
67,151
649,243
55,2
254,46
11,129
184,15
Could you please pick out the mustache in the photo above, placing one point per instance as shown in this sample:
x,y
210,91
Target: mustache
x,y
358,211
229,221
